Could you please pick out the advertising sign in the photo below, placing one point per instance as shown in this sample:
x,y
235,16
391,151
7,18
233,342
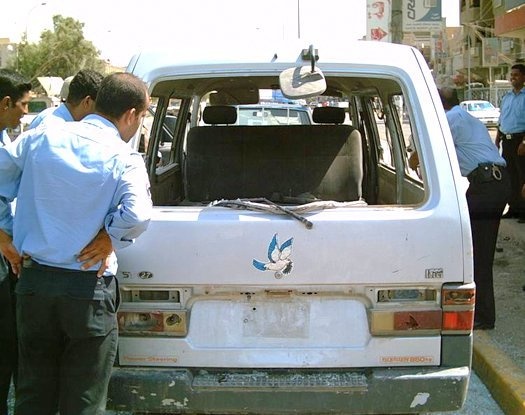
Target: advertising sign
x,y
378,20
422,16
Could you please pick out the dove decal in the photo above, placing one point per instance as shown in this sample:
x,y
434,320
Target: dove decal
x,y
279,258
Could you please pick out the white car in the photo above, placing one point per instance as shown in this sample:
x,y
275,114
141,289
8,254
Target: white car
x,y
487,113
273,114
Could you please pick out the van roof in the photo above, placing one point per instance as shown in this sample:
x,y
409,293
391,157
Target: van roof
x,y
274,56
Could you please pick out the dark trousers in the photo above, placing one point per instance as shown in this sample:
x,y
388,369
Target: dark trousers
x,y
67,333
8,343
516,169
486,202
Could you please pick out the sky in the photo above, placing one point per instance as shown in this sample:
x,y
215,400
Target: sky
x,y
120,28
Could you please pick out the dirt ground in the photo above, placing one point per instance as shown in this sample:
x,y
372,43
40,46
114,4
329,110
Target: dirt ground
x,y
509,279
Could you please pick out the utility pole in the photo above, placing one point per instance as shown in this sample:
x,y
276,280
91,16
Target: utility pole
x,y
298,20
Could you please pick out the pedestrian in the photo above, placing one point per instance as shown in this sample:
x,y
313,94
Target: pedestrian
x,y
511,133
72,179
487,195
14,99
80,101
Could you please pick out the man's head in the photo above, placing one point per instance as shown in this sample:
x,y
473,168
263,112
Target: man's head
x,y
123,99
83,90
14,97
449,97
517,76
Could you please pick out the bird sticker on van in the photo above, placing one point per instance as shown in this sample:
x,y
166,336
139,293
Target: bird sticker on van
x,y
279,258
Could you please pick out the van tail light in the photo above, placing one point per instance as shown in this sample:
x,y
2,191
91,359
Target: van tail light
x,y
420,312
457,302
169,323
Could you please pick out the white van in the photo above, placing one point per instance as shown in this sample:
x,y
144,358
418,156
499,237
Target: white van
x,y
297,269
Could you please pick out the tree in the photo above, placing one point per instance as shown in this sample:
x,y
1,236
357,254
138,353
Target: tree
x,y
62,51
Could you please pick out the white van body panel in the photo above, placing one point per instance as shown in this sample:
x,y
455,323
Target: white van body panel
x,y
336,249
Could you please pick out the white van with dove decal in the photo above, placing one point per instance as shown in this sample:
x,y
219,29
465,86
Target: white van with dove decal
x,y
297,268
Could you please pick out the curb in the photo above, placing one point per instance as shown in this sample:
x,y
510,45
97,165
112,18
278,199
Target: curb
x,y
505,381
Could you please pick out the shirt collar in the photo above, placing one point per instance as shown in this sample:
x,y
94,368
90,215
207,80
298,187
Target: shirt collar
x,y
99,121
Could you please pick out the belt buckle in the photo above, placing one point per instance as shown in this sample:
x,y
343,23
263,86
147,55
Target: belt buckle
x,y
27,262
508,136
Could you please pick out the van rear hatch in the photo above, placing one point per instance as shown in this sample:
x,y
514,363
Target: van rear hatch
x,y
266,291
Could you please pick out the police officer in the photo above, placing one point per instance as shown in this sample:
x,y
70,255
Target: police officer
x,y
14,99
511,133
487,194
75,183
80,100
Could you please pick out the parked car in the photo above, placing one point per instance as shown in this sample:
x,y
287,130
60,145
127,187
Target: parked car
x,y
487,113
273,114
293,269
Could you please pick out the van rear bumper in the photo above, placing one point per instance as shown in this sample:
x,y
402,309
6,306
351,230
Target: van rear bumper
x,y
381,390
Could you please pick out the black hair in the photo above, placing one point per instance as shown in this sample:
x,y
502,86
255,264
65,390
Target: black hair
x,y
119,92
13,85
449,97
520,67
85,83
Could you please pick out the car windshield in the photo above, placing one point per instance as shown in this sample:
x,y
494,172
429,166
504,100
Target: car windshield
x,y
480,106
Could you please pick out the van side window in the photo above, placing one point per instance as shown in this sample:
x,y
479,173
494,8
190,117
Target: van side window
x,y
167,132
397,182
401,117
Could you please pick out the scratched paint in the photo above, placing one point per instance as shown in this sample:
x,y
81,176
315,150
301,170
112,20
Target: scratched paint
x,y
176,404
420,399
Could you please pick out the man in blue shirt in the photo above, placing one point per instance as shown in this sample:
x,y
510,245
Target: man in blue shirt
x,y
14,99
80,100
487,194
71,180
511,133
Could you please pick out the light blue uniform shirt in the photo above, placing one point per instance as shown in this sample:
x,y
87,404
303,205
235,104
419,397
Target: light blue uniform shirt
x,y
4,138
472,141
52,114
71,179
512,112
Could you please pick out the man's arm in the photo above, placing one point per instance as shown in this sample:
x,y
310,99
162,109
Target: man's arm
x,y
499,136
134,205
10,171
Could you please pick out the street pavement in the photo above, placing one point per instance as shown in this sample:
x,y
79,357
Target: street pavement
x,y
499,354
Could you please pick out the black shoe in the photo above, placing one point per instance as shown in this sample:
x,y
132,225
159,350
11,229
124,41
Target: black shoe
x,y
521,219
478,325
510,215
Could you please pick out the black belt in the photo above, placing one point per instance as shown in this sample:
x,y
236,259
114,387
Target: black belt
x,y
514,136
32,264
486,172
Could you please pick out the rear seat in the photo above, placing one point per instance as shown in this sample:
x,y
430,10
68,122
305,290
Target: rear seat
x,y
229,162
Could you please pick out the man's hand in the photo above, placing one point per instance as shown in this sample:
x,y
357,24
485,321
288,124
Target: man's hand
x,y
98,250
497,141
521,149
413,161
8,250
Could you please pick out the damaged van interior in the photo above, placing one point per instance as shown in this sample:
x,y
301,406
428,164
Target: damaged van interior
x,y
355,151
